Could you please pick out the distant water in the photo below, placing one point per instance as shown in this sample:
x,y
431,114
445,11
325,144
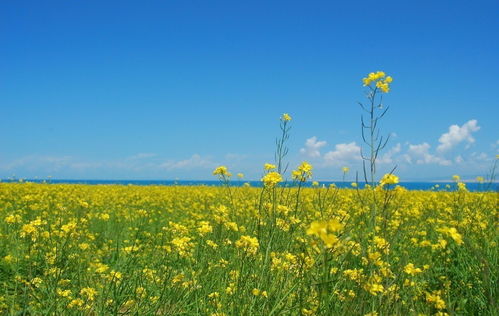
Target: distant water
x,y
425,186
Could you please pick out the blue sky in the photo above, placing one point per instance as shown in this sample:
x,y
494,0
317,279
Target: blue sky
x,y
171,89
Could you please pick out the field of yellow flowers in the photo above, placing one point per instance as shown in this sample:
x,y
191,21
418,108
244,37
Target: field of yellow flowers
x,y
158,250
275,250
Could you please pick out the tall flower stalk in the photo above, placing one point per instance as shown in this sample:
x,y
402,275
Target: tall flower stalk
x,y
281,148
377,83
224,177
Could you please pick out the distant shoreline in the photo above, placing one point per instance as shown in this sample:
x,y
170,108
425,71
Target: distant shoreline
x,y
444,181
410,185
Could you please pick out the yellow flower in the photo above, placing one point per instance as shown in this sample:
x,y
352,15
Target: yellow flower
x,y
305,167
115,275
354,274
374,288
8,258
383,86
456,178
303,172
452,232
222,171
411,270
325,230
89,293
204,228
76,303
257,292
334,225
345,169
380,80
11,219
461,186
286,117
271,179
84,246
104,216
269,166
389,179
63,293
435,298
248,244
317,228
329,240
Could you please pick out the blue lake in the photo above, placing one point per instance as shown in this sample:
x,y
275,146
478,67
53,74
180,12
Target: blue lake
x,y
426,186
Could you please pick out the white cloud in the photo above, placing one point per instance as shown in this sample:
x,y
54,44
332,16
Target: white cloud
x,y
388,158
34,162
459,159
479,156
495,145
343,153
312,147
420,154
142,156
196,161
458,134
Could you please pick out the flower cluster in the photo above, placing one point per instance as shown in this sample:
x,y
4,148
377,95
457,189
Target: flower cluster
x,y
271,179
389,178
269,166
286,117
222,171
248,244
380,80
326,231
303,172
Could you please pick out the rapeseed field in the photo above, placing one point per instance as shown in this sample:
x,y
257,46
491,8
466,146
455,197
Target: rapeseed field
x,y
156,250
372,249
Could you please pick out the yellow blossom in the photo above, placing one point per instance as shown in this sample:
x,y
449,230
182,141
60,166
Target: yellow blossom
x,y
380,80
286,117
248,244
389,178
89,292
269,166
411,270
435,298
222,171
303,172
271,179
76,303
8,258
461,186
